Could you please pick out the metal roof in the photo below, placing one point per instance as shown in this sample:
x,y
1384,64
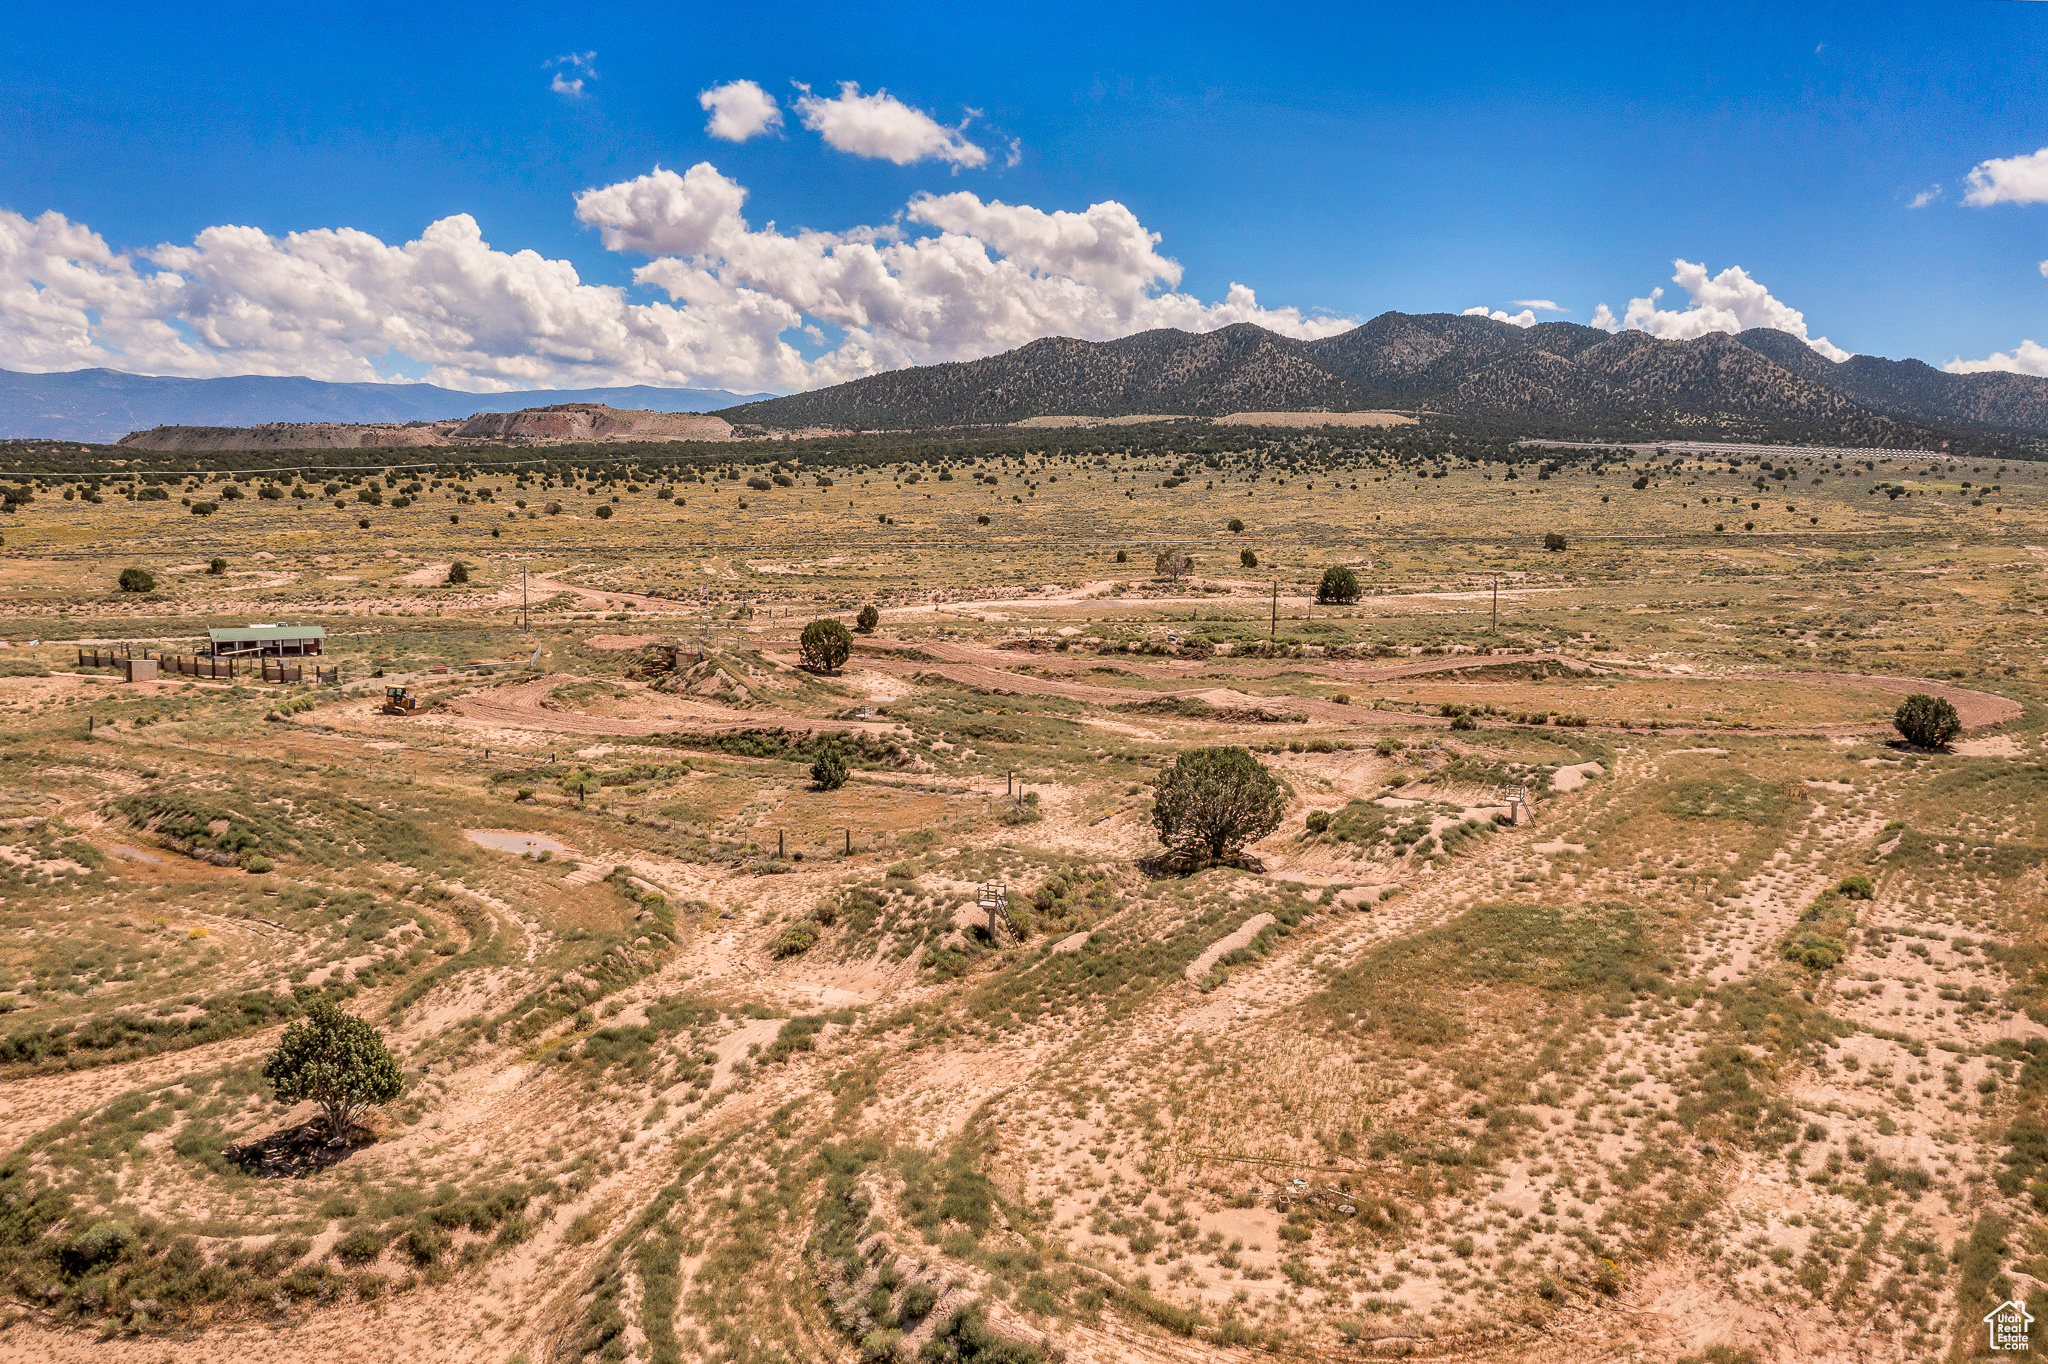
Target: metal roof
x,y
260,632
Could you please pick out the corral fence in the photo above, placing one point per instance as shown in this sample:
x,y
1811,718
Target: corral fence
x,y
195,665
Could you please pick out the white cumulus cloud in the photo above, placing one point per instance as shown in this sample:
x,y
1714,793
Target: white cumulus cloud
x,y
882,127
1728,302
1524,318
2028,358
739,110
1925,197
1541,305
951,277
2009,180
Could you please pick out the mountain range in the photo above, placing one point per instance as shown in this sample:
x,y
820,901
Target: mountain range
x,y
1554,373
99,406
1556,376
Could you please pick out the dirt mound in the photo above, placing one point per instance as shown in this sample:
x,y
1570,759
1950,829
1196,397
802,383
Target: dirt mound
x,y
593,421
290,436
531,426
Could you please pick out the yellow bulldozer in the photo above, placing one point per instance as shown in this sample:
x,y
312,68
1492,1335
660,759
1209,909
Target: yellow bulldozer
x,y
399,701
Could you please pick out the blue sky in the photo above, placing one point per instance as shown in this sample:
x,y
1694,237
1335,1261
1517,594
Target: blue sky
x,y
1337,161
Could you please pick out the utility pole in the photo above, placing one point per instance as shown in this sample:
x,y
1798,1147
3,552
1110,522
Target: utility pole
x,y
525,612
1496,603
1273,631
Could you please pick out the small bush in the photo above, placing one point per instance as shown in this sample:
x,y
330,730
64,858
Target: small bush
x,y
829,771
1464,722
137,580
918,1299
1815,952
1122,556
797,939
257,864
1318,821
359,1247
1857,887
1339,586
604,511
458,572
1923,721
216,567
1236,526
868,619
1553,541
1247,559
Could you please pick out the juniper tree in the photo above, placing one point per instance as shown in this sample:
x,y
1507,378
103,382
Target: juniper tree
x,y
337,1061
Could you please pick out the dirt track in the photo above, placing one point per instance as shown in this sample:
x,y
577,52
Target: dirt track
x,y
518,705
991,668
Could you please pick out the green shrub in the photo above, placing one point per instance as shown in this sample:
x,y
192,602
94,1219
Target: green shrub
x,y
1247,559
458,572
824,646
1857,887
868,619
1339,586
360,1247
256,864
829,772
918,1299
1815,952
1216,800
1318,821
137,580
797,939
424,1242
1927,721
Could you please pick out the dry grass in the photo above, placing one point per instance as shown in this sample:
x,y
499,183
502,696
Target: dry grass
x,y
1532,1081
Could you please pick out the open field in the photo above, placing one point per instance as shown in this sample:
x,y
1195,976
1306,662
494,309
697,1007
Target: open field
x,y
1739,1051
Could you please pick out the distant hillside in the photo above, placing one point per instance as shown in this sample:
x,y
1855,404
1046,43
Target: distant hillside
x,y
102,405
1761,380
554,425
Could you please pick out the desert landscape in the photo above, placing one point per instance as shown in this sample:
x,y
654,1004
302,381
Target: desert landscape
x,y
1605,977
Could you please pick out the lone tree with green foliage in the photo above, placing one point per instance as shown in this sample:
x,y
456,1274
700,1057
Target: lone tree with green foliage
x,y
1216,800
1927,721
458,572
1247,558
829,771
868,619
824,646
1339,587
137,580
1552,540
336,1060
